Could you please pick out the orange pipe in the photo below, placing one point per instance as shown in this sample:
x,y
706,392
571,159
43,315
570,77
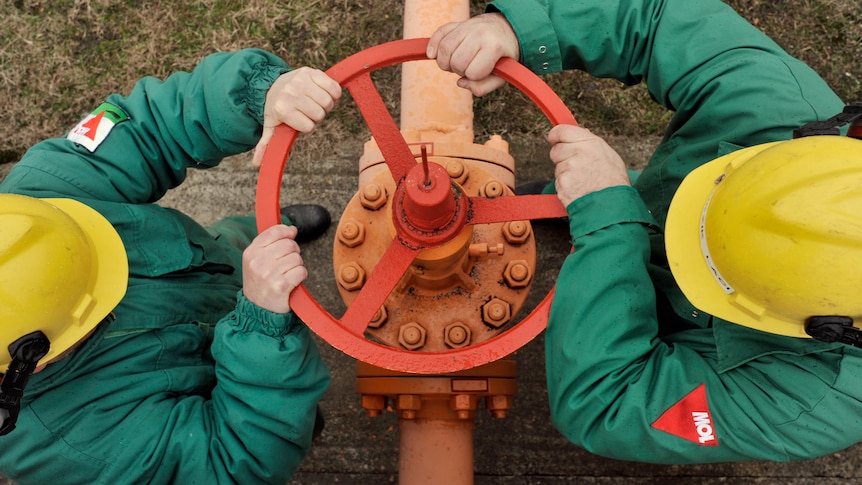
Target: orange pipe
x,y
450,115
435,451
436,436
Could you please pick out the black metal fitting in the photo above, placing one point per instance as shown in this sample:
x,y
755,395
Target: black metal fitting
x,y
833,328
25,352
851,113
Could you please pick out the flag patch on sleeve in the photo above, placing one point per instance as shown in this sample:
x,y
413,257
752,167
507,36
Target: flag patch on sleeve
x,y
95,127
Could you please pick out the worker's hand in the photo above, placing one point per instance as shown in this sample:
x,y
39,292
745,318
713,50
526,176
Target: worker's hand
x,y
472,48
272,267
300,99
584,162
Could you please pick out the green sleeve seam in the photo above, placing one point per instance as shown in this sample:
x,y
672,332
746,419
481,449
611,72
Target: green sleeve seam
x,y
612,205
250,318
261,80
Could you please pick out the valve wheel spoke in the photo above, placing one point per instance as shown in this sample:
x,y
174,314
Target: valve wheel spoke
x,y
515,208
395,151
397,260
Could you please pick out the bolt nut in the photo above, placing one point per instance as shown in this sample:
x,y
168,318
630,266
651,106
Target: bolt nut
x,y
517,232
464,405
351,233
492,189
351,276
373,404
411,336
408,404
379,318
457,335
372,196
457,171
517,274
498,405
496,313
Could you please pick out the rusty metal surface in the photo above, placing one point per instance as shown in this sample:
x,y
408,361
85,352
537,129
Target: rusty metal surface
x,y
448,284
401,290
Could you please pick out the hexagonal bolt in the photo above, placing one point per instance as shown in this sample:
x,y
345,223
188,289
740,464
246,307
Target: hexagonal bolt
x,y
457,171
517,274
411,336
493,188
408,404
351,233
498,405
496,313
457,335
351,276
464,405
373,404
372,197
379,318
517,232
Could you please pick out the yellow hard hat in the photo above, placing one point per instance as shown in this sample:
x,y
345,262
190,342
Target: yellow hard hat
x,y
63,269
771,236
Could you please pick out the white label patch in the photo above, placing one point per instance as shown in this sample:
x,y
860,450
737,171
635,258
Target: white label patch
x,y
93,129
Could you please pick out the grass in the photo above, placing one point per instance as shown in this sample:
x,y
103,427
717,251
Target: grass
x,y
60,58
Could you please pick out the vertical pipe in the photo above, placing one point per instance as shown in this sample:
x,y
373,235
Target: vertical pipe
x,y
431,103
436,451
435,448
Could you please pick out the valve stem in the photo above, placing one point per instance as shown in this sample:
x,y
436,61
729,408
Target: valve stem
x,y
427,182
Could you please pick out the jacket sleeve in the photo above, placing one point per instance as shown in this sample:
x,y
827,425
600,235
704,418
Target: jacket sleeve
x,y
622,381
152,407
621,386
135,148
724,79
257,427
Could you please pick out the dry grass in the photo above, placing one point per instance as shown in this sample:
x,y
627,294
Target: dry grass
x,y
59,58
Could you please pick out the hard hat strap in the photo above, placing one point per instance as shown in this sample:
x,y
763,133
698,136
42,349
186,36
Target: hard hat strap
x,y
852,114
25,352
833,328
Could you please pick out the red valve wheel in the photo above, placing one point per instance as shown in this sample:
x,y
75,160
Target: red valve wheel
x,y
347,333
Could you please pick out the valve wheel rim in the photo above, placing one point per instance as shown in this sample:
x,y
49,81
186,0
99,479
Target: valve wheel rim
x,y
347,333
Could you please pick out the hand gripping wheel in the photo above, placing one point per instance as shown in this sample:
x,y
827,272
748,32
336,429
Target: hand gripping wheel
x,y
411,217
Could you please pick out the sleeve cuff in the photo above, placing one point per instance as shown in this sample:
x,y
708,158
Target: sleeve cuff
x,y
613,205
250,318
540,48
261,80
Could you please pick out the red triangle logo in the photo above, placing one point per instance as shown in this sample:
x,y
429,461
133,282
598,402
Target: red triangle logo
x,y
91,126
690,419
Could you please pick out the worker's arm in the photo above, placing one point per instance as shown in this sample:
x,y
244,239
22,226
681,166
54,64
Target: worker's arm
x,y
135,148
257,426
730,393
726,81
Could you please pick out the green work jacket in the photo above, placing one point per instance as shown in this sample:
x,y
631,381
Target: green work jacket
x,y
192,383
635,372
